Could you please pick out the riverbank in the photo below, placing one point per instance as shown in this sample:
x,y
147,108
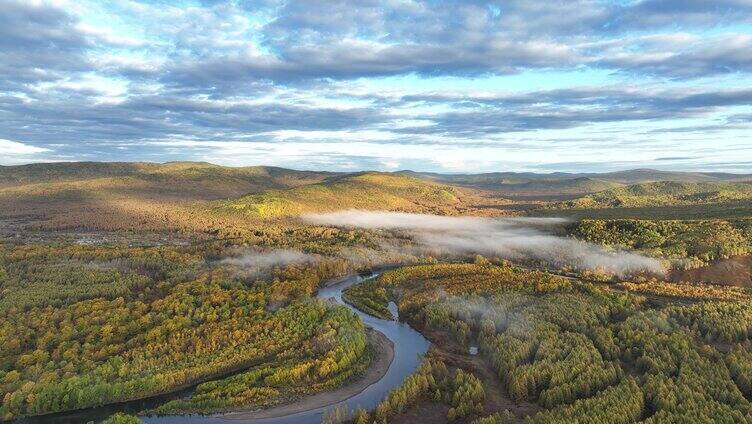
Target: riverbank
x,y
383,357
396,354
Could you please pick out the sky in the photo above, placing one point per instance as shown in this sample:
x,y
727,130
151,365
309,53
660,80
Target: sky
x,y
444,86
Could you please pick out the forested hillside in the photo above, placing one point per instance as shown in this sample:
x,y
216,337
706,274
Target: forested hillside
x,y
139,197
369,190
584,353
690,243
124,281
198,198
633,176
667,193
200,179
83,326
543,189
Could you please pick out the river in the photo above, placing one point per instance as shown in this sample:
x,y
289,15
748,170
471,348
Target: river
x,y
409,345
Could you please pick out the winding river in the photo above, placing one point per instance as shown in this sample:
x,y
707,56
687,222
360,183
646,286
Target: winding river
x,y
408,346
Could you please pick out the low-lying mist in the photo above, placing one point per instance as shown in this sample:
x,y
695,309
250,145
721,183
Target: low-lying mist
x,y
508,238
279,257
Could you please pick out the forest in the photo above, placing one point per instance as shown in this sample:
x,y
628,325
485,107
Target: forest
x,y
108,324
688,244
583,352
113,290
665,193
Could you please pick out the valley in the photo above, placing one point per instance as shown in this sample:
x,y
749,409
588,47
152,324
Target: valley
x,y
190,292
375,212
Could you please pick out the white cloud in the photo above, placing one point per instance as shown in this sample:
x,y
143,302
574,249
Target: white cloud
x,y
399,84
108,36
13,152
8,147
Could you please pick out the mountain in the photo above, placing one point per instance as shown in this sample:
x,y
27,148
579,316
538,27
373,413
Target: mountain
x,y
636,176
491,180
560,188
368,190
503,180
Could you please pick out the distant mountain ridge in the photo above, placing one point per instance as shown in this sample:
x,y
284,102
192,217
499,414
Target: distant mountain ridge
x,y
194,196
39,172
665,193
633,176
169,171
206,181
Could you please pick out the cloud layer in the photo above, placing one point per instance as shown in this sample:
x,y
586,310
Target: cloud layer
x,y
511,238
508,83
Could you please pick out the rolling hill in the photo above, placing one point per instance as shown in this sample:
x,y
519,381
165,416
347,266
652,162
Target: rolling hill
x,y
562,186
565,189
497,180
198,196
368,190
191,180
665,193
131,196
636,176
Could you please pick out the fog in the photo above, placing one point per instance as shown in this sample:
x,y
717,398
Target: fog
x,y
508,238
280,257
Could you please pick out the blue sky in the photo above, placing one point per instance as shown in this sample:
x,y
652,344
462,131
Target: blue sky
x,y
447,86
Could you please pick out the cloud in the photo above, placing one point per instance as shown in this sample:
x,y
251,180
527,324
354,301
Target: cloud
x,y
370,39
8,147
489,113
687,57
38,42
111,80
513,238
13,152
647,14
219,45
348,59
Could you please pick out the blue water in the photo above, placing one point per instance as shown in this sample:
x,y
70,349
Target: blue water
x,y
409,345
